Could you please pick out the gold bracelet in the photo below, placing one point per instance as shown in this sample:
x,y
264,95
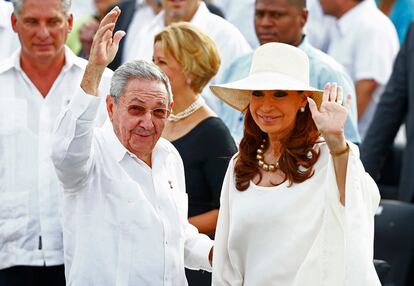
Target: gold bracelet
x,y
346,150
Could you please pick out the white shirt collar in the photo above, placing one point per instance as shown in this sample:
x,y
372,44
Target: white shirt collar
x,y
117,150
70,60
346,22
199,17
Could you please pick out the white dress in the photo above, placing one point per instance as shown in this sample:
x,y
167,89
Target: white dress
x,y
298,235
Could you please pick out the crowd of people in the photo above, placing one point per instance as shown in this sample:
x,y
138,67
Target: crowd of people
x,y
190,142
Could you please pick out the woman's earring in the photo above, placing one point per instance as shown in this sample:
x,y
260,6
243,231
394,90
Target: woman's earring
x,y
188,81
302,109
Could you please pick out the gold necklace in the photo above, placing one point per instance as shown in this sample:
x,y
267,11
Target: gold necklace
x,y
260,160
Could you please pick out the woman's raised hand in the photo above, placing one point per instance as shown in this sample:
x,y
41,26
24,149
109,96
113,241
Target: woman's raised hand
x,y
331,116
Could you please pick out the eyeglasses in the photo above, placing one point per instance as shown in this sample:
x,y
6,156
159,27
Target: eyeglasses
x,y
137,110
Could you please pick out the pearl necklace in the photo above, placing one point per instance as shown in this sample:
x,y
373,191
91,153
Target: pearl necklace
x,y
260,160
188,111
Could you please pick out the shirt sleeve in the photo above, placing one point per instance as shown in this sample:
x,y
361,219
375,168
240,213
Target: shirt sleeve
x,y
72,140
196,249
356,219
224,272
372,62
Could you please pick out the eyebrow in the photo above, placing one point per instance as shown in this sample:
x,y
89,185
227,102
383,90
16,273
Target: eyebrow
x,y
160,102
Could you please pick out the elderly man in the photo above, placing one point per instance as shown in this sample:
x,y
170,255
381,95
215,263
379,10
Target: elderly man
x,y
125,215
36,83
368,62
283,21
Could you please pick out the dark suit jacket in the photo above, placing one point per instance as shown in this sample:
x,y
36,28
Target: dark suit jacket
x,y
396,106
127,13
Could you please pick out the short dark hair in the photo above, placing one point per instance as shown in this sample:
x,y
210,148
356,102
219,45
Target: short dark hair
x,y
298,3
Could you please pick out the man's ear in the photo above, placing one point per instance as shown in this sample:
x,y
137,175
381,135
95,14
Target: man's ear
x,y
70,23
304,17
110,106
13,19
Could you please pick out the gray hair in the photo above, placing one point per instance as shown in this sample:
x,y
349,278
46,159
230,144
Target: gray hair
x,y
137,69
65,5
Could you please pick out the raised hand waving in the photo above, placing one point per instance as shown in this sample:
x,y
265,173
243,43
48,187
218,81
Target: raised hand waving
x,y
104,48
331,116
105,43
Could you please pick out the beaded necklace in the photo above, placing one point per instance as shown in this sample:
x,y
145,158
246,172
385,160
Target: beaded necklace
x,y
188,111
260,159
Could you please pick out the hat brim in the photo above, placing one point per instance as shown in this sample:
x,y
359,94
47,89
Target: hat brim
x,y
236,94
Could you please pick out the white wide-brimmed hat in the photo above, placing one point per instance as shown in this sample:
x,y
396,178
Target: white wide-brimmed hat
x,y
275,66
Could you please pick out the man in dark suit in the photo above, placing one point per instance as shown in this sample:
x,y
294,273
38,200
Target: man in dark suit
x,y
395,108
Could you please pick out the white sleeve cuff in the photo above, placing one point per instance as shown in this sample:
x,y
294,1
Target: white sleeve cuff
x,y
204,246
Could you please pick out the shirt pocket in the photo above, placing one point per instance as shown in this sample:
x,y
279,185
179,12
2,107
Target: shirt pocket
x,y
125,206
14,207
13,115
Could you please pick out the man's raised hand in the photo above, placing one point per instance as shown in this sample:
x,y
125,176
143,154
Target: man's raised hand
x,y
104,48
105,43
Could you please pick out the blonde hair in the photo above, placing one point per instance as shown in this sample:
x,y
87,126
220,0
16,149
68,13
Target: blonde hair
x,y
194,51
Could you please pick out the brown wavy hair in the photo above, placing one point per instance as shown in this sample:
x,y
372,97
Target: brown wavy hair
x,y
297,154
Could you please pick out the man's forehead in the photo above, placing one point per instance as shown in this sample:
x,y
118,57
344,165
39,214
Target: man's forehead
x,y
145,91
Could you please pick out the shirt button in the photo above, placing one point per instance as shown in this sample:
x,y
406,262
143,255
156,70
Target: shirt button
x,y
166,242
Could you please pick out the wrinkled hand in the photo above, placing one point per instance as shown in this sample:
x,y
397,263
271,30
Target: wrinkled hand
x,y
331,116
105,43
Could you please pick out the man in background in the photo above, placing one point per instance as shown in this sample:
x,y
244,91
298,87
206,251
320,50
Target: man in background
x,y
365,42
36,84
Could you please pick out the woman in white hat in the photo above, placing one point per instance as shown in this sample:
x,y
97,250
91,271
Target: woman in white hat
x,y
190,59
297,207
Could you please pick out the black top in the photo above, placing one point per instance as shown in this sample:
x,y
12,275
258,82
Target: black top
x,y
206,151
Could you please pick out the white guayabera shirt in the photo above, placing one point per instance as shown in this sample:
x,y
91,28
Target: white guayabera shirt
x,y
30,192
124,222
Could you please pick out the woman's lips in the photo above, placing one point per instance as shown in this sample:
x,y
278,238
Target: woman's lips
x,y
268,118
